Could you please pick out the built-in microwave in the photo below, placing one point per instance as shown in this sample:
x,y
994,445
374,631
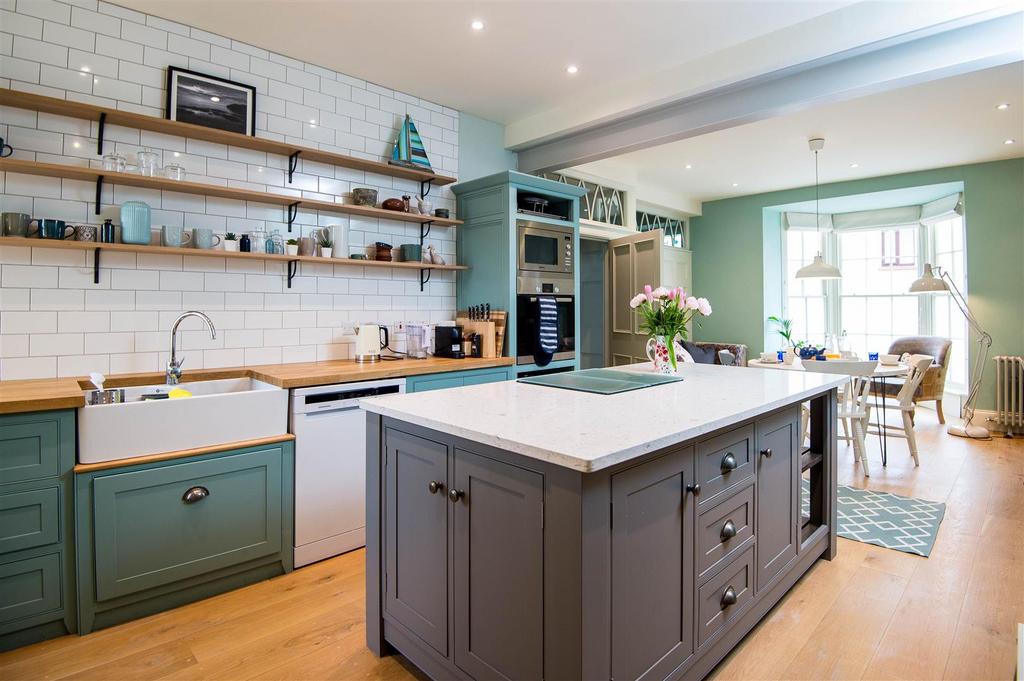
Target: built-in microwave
x,y
545,248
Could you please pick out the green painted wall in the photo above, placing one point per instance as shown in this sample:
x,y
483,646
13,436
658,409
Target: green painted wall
x,y
733,246
482,148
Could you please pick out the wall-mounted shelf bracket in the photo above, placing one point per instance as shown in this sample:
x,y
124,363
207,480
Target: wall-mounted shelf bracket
x,y
425,186
424,278
96,266
99,138
293,163
99,194
293,268
425,230
293,211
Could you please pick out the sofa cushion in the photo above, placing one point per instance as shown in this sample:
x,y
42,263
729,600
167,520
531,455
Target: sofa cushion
x,y
700,354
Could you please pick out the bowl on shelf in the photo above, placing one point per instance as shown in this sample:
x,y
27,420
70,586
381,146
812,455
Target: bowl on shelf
x,y
411,252
365,197
889,360
397,205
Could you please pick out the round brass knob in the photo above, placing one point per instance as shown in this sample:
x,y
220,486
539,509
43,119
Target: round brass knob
x,y
435,486
455,495
694,489
766,452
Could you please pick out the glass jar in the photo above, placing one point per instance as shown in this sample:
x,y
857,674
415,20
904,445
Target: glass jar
x,y
114,163
258,239
149,163
174,172
275,243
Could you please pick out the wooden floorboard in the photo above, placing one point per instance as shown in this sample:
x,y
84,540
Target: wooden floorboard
x,y
870,614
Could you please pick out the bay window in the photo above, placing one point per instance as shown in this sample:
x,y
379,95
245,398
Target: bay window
x,y
880,253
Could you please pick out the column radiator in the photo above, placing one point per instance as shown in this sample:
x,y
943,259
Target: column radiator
x,y
1010,392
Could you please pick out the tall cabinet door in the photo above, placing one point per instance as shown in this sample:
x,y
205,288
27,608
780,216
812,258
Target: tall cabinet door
x,y
498,568
778,493
416,545
635,260
652,579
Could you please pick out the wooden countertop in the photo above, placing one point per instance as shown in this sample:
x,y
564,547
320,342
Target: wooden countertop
x,y
66,393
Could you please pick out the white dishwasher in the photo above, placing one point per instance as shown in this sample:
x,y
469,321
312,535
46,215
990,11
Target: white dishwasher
x,y
330,466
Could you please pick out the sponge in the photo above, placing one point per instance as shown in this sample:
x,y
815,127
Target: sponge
x,y
178,393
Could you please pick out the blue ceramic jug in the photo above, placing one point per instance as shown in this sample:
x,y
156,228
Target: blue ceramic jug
x,y
135,223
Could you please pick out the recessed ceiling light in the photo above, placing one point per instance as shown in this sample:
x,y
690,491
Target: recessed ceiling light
x,y
77,145
1011,141
855,165
85,69
177,154
1003,107
477,25
214,99
259,170
312,121
735,184
688,166
572,69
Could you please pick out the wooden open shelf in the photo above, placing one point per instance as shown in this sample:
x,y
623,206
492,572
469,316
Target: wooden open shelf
x,y
61,107
99,175
67,244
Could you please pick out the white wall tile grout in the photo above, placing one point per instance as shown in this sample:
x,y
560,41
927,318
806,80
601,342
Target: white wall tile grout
x,y
55,322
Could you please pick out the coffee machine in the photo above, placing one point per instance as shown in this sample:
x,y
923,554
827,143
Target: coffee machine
x,y
448,342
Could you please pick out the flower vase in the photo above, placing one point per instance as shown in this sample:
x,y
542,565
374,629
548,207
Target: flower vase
x,y
665,359
788,356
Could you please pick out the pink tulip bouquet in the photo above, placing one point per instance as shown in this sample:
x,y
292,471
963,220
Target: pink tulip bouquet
x,y
666,313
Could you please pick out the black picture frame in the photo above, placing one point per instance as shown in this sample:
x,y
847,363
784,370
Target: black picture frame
x,y
211,102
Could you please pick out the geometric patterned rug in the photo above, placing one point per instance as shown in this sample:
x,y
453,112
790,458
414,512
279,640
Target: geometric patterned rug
x,y
888,520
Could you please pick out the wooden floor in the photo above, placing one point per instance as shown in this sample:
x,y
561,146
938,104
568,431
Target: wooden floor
x,y
870,614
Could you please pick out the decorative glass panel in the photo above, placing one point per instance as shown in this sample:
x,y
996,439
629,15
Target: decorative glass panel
x,y
600,204
675,229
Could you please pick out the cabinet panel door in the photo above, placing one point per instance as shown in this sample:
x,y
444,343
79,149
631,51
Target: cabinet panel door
x,y
498,565
160,525
416,536
439,382
30,518
778,494
652,578
29,587
29,448
486,377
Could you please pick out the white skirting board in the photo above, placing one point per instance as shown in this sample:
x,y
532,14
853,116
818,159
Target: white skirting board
x,y
331,546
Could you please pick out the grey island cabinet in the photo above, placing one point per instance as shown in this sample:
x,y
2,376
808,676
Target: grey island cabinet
x,y
517,531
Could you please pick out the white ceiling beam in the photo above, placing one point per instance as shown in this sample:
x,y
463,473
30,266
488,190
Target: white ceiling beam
x,y
926,56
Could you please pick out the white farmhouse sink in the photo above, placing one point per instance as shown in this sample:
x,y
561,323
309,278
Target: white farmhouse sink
x,y
219,412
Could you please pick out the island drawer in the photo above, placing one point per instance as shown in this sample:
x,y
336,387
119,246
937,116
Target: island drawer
x,y
721,600
723,462
724,529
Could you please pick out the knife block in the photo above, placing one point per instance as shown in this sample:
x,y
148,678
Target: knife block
x,y
492,332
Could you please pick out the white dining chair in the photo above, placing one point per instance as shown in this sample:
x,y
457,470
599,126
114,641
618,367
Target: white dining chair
x,y
903,402
852,407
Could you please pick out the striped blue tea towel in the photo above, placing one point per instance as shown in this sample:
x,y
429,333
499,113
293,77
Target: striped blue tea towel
x,y
547,329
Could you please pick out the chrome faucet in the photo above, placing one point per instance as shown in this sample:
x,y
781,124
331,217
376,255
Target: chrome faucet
x,y
174,364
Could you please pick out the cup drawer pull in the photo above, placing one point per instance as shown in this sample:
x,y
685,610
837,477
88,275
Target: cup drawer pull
x,y
194,494
729,597
728,530
729,463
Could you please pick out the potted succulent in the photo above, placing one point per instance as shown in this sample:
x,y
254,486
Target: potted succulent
x,y
230,242
326,245
291,247
665,313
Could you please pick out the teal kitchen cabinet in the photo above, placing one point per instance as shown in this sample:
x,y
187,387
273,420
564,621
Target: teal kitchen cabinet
x,y
37,567
156,535
456,379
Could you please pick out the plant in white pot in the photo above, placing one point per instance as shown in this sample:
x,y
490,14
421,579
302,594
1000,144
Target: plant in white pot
x,y
785,329
291,247
326,244
230,242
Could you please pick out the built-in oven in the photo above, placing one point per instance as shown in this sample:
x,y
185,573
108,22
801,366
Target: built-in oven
x,y
528,321
545,248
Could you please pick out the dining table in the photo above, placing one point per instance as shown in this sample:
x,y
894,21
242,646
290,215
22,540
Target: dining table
x,y
879,376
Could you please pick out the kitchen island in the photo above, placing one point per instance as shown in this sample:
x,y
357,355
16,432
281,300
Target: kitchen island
x,y
526,532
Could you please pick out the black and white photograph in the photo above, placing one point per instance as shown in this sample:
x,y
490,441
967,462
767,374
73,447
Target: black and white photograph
x,y
210,101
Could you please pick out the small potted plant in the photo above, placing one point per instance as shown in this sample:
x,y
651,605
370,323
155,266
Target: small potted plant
x,y
785,329
230,242
291,247
326,245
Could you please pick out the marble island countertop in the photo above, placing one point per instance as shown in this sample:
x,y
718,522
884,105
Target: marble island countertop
x,y
588,432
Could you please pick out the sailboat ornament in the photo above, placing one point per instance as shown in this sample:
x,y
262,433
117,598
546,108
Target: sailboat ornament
x,y
409,151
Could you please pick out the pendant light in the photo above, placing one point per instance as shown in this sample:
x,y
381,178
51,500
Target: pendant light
x,y
818,269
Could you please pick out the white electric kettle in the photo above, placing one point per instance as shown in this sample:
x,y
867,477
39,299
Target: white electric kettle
x,y
370,340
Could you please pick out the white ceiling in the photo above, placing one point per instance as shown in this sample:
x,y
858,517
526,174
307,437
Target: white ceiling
x,y
513,68
942,123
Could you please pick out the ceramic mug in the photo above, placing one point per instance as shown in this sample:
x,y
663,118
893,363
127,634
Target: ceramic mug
x,y
52,228
16,224
203,237
174,236
85,233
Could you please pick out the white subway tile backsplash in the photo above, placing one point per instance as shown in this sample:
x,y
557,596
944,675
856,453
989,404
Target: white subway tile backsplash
x,y
122,324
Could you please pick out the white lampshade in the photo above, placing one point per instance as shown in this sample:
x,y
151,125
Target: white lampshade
x,y
819,269
929,283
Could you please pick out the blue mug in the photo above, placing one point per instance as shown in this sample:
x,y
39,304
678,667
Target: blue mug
x,y
781,355
820,357
872,356
52,228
